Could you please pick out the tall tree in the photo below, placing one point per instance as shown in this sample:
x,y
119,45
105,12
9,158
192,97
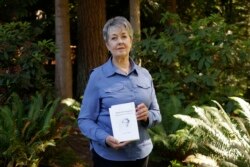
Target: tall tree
x,y
91,48
171,6
63,75
134,8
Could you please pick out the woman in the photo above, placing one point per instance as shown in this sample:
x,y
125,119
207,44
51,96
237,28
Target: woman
x,y
118,81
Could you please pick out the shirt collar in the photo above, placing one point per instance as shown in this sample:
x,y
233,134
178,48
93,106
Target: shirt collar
x,y
109,69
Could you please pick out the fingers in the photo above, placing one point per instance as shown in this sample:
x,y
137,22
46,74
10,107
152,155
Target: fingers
x,y
114,143
142,112
122,144
110,140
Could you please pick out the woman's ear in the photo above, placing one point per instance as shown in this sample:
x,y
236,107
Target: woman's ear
x,y
107,45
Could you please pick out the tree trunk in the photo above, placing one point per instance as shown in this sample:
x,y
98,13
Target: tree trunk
x,y
171,6
134,7
63,71
91,51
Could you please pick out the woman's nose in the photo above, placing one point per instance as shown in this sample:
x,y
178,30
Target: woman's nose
x,y
120,41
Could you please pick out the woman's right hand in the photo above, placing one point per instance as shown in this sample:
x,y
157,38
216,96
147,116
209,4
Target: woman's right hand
x,y
114,143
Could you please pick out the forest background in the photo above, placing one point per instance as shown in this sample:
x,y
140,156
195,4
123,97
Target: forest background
x,y
197,51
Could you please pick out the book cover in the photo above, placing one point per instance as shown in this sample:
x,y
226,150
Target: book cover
x,y
124,122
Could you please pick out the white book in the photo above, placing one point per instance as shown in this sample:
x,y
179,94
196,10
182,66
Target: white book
x,y
124,122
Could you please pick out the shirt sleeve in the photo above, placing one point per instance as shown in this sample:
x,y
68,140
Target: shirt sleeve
x,y
89,112
154,110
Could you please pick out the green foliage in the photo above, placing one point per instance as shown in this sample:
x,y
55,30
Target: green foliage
x,y
234,12
176,163
23,59
194,63
72,105
221,137
27,128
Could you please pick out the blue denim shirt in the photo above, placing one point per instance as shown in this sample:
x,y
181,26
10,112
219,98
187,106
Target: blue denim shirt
x,y
107,86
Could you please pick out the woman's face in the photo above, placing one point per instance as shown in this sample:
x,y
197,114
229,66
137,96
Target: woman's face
x,y
119,42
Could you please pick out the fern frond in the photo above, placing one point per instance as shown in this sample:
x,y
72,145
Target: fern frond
x,y
206,127
243,128
226,137
50,109
245,106
36,129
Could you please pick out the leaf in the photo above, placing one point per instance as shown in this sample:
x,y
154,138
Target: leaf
x,y
227,137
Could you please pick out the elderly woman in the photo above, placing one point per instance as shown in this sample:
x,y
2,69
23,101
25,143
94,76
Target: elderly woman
x,y
118,81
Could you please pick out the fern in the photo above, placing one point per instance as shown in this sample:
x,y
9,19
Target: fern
x,y
27,129
220,136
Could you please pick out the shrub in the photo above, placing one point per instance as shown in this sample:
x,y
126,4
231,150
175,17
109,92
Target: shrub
x,y
27,128
194,63
224,138
22,61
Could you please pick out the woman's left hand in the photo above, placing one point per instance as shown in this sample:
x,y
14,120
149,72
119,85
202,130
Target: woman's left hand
x,y
142,112
114,143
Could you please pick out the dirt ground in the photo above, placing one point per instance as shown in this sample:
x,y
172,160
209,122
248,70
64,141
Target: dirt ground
x,y
80,145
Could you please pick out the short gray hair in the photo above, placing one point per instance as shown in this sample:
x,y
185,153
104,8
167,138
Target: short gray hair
x,y
117,21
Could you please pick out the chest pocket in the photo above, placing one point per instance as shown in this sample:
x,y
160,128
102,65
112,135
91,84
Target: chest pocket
x,y
144,84
114,88
144,91
112,94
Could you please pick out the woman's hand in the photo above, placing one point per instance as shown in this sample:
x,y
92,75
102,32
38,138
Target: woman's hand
x,y
114,143
142,112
